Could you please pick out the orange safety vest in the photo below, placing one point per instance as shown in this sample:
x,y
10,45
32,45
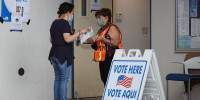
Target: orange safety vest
x,y
100,52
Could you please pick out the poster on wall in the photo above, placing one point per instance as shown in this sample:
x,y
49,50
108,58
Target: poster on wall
x,y
15,6
187,25
96,5
193,8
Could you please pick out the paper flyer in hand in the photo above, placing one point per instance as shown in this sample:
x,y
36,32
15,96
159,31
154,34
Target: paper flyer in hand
x,y
84,37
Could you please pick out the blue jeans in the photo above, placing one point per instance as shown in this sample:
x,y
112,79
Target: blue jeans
x,y
62,78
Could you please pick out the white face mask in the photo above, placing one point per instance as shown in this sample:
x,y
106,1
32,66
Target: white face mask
x,y
100,22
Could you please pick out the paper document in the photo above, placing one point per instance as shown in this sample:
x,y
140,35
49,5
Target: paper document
x,y
16,23
184,41
96,5
84,37
183,17
23,7
195,24
195,42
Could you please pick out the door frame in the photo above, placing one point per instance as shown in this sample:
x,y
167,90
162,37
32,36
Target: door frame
x,y
73,60
150,24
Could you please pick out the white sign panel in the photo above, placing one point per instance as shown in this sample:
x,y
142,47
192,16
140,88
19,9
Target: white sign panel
x,y
128,76
126,79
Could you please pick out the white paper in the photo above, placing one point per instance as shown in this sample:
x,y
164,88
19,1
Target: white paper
x,y
195,27
26,6
183,17
25,17
84,37
23,7
96,5
16,22
195,42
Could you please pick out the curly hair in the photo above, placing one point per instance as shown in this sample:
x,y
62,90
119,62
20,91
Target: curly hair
x,y
104,12
64,8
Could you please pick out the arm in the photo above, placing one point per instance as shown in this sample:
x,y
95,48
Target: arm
x,y
70,38
114,35
50,39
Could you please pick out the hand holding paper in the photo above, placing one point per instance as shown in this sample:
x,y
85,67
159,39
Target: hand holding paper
x,y
85,30
89,34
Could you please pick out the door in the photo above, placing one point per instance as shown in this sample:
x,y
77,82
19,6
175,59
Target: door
x,y
87,82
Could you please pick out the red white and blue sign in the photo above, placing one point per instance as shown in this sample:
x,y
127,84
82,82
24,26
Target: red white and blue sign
x,y
125,80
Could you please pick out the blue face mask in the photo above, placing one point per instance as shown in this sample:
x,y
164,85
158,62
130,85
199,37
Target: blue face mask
x,y
71,19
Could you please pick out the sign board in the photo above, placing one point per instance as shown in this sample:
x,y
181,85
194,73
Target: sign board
x,y
130,74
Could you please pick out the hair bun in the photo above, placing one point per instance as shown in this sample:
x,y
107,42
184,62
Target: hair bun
x,y
64,8
58,12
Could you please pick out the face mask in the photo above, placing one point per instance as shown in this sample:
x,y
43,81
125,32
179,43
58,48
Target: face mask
x,y
100,22
71,19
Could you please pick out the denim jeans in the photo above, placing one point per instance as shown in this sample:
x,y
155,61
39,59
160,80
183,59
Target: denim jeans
x,y
62,78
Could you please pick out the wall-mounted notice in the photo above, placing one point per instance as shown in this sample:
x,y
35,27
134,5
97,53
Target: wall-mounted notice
x,y
183,17
15,6
184,41
23,7
193,8
187,25
195,42
16,24
195,27
95,5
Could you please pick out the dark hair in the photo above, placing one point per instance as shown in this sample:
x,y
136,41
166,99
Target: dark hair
x,y
104,12
64,8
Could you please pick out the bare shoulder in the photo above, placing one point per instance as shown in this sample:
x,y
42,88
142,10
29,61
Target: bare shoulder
x,y
113,30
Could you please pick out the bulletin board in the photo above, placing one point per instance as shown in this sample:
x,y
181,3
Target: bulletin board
x,y
187,26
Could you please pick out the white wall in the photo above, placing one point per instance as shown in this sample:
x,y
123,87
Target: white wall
x,y
163,42
135,15
28,50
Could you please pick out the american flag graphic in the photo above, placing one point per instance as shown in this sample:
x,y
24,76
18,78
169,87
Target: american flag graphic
x,y
124,81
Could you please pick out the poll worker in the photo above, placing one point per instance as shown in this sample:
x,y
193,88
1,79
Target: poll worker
x,y
61,53
108,39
